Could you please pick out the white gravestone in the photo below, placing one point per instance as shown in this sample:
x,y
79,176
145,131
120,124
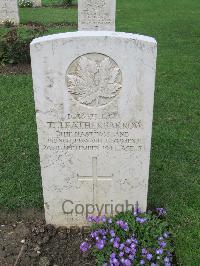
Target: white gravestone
x,y
9,11
37,3
96,15
94,95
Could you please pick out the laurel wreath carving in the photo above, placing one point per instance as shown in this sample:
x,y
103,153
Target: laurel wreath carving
x,y
94,79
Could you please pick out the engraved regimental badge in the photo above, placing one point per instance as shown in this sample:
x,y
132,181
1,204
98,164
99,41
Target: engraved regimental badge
x,y
94,79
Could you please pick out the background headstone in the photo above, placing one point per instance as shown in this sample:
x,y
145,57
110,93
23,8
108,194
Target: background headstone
x,y
9,11
37,3
96,15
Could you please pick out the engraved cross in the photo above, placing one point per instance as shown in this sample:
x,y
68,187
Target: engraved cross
x,y
95,177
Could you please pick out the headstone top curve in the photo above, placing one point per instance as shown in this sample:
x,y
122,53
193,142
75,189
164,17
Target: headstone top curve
x,y
78,34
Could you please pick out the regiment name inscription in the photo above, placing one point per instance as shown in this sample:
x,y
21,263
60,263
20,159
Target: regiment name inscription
x,y
109,135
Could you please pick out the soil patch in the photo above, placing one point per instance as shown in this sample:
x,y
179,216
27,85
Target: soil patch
x,y
15,69
26,240
39,26
60,6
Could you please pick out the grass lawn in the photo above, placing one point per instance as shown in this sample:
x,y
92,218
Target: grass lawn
x,y
48,15
174,173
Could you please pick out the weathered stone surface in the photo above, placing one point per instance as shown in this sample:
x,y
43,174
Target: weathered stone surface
x,y
94,96
96,15
9,11
37,3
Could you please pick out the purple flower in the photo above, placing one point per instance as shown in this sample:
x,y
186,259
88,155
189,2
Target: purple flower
x,y
133,246
127,250
128,241
102,232
112,233
112,255
134,240
98,219
122,260
131,257
93,219
119,222
159,251
166,260
142,262
90,219
149,256
154,264
123,225
133,251
117,239
109,220
160,238
163,244
141,220
103,219
161,211
100,244
168,264
84,247
144,251
121,254
121,246
137,211
93,234
127,262
116,244
115,262
166,234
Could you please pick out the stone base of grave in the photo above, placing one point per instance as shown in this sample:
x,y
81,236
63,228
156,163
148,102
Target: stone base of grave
x,y
37,3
